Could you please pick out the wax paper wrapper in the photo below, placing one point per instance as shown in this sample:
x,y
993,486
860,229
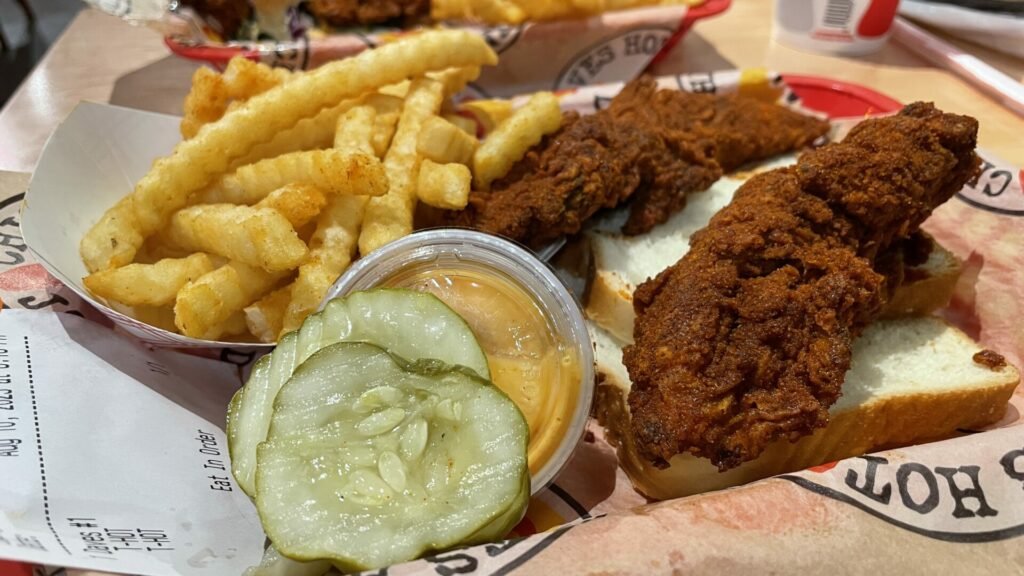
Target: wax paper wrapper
x,y
954,506
533,56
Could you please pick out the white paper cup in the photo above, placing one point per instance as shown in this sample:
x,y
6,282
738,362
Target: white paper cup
x,y
838,27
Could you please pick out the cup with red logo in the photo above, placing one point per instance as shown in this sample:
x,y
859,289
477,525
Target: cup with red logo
x,y
841,27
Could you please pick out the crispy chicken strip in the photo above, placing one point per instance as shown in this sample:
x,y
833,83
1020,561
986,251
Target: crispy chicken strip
x,y
746,340
361,12
741,129
591,163
651,146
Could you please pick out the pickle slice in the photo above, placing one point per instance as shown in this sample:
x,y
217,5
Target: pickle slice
x,y
410,324
373,460
273,564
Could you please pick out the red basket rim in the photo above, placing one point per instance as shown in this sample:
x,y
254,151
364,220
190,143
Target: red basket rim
x,y
876,101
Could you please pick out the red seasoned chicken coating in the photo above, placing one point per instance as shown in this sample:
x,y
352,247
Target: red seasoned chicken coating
x,y
649,147
747,339
362,12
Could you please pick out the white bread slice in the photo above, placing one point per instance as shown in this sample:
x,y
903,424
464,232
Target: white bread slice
x,y
912,380
618,264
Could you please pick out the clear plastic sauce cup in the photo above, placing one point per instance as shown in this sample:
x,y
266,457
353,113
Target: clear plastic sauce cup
x,y
527,322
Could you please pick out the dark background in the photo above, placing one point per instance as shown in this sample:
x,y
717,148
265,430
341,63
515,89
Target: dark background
x,y
27,43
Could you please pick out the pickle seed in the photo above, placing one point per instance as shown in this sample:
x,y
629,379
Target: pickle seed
x,y
392,470
414,439
365,487
377,398
380,422
446,409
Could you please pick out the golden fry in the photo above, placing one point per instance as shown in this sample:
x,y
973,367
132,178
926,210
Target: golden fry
x,y
455,79
309,134
489,11
443,142
156,249
255,236
265,317
332,171
197,162
112,241
148,284
513,137
354,133
235,325
389,217
206,101
444,185
488,113
244,78
389,109
298,203
331,251
333,244
500,11
204,305
161,317
464,123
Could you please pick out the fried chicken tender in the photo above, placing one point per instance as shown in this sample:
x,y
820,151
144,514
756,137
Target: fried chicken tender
x,y
650,147
591,163
357,12
741,129
747,339
224,16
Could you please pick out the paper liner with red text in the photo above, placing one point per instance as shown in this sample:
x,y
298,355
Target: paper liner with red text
x,y
957,505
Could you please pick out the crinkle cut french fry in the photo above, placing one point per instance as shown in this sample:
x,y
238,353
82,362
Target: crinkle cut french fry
x,y
354,133
397,90
161,317
489,11
389,109
464,123
444,185
332,171
156,249
333,244
298,203
331,251
455,79
487,113
255,236
309,134
443,142
112,241
204,305
148,284
206,101
197,162
265,317
244,78
234,326
389,217
308,290
509,142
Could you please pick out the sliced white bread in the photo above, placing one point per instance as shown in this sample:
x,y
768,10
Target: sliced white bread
x,y
912,380
618,264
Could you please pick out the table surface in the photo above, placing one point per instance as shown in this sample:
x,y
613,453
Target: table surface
x,y
101,58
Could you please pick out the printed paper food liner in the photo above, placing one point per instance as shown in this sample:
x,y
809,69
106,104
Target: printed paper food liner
x,y
954,506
